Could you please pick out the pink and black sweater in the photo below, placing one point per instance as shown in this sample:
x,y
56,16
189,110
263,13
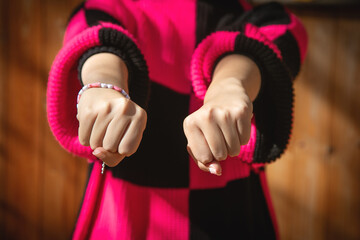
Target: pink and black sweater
x,y
170,49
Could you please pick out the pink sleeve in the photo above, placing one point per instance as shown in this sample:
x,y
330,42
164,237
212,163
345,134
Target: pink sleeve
x,y
276,40
220,43
63,83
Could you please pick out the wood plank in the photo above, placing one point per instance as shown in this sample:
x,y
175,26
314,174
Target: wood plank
x,y
3,76
344,192
315,184
65,175
22,116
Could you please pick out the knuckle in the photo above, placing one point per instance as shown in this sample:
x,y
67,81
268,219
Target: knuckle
x,y
124,102
142,116
239,113
126,150
142,113
94,144
109,147
244,111
224,115
86,113
83,141
204,158
189,122
209,114
201,166
245,140
104,108
234,151
220,155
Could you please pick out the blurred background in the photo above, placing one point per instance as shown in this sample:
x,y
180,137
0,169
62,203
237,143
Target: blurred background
x,y
315,185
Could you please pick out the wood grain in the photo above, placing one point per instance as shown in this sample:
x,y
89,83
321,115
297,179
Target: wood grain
x,y
43,185
315,185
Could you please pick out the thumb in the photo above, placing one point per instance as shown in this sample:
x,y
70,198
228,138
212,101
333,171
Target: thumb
x,y
111,159
215,168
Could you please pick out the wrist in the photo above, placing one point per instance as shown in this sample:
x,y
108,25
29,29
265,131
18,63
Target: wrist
x,y
225,87
237,71
105,68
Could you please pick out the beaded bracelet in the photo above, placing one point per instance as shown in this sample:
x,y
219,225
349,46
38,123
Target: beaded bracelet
x,y
101,85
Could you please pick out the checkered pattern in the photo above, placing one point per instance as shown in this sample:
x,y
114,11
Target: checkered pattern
x,y
159,193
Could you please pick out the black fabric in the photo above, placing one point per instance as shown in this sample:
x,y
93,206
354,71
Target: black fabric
x,y
93,51
135,62
94,17
213,15
290,52
274,103
115,42
271,14
273,106
266,14
162,159
237,211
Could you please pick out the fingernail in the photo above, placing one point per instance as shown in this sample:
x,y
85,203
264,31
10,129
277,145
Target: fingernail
x,y
212,170
98,153
215,169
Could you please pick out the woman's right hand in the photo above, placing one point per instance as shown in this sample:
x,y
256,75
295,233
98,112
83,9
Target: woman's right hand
x,y
110,124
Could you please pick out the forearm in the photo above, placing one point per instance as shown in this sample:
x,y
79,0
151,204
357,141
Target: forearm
x,y
235,71
107,68
110,124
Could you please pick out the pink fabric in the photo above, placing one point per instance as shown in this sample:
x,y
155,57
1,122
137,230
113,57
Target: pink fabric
x,y
63,87
145,213
299,32
204,57
295,27
77,24
62,91
233,168
170,32
90,204
252,31
167,40
273,31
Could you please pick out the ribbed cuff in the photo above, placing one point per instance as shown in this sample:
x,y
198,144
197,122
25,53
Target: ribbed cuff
x,y
118,43
273,107
205,57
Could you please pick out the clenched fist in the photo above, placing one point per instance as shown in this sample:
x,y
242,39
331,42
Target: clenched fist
x,y
110,124
223,123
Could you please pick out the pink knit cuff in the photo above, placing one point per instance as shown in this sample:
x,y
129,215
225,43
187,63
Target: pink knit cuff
x,y
63,87
205,57
213,47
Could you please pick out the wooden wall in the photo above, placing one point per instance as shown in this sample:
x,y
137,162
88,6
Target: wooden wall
x,y
315,186
41,185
